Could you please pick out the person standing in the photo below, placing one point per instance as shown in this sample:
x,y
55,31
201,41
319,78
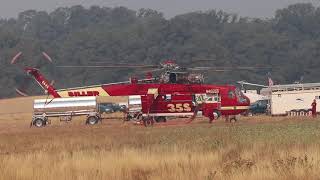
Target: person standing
x,y
314,108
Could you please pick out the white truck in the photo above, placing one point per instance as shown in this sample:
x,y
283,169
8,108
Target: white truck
x,y
65,109
293,98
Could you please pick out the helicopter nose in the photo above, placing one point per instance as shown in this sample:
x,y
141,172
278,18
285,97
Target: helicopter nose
x,y
245,100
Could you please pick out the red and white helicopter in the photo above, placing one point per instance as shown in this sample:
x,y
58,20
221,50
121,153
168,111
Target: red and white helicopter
x,y
175,92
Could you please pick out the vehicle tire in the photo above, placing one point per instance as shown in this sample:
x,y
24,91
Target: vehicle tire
x,y
128,117
92,120
250,114
161,119
39,123
148,122
215,115
233,120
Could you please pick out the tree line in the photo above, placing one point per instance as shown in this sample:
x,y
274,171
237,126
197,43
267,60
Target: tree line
x,y
289,42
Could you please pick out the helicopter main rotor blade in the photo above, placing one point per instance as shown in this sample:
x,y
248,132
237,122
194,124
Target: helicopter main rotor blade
x,y
47,57
15,58
226,68
120,64
251,84
209,69
21,93
109,66
151,70
201,60
104,63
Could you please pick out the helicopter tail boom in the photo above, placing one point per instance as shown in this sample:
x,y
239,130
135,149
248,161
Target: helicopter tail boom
x,y
42,81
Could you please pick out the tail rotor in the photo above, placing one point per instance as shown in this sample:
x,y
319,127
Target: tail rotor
x,y
15,58
23,82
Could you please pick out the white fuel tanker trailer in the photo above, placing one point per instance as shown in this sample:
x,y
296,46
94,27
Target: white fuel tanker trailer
x,y
65,109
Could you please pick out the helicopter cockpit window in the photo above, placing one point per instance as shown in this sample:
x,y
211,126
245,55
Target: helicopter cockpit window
x,y
240,96
231,94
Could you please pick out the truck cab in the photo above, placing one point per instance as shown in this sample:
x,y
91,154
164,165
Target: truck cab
x,y
258,107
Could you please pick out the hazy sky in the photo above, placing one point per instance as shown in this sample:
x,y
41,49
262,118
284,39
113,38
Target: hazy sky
x,y
251,8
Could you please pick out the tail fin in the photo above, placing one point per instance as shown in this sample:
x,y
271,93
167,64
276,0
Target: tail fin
x,y
42,81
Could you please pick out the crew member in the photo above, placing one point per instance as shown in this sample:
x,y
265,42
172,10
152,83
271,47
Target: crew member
x,y
314,108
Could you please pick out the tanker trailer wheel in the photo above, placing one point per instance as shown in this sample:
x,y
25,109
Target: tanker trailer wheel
x,y
39,122
92,120
148,122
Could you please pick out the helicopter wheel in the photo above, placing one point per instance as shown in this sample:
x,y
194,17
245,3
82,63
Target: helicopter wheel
x,y
215,115
233,119
148,122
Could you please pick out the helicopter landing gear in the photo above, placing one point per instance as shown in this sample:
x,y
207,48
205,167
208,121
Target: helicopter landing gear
x,y
232,119
215,115
148,121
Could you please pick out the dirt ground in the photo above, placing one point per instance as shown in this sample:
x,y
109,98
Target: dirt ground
x,y
16,114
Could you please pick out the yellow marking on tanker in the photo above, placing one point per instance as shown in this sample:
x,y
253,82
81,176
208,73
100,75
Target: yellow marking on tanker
x,y
95,91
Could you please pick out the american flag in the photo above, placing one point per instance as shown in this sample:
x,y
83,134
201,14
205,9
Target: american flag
x,y
270,81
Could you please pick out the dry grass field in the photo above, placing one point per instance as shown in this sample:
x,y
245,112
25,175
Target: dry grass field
x,y
254,148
